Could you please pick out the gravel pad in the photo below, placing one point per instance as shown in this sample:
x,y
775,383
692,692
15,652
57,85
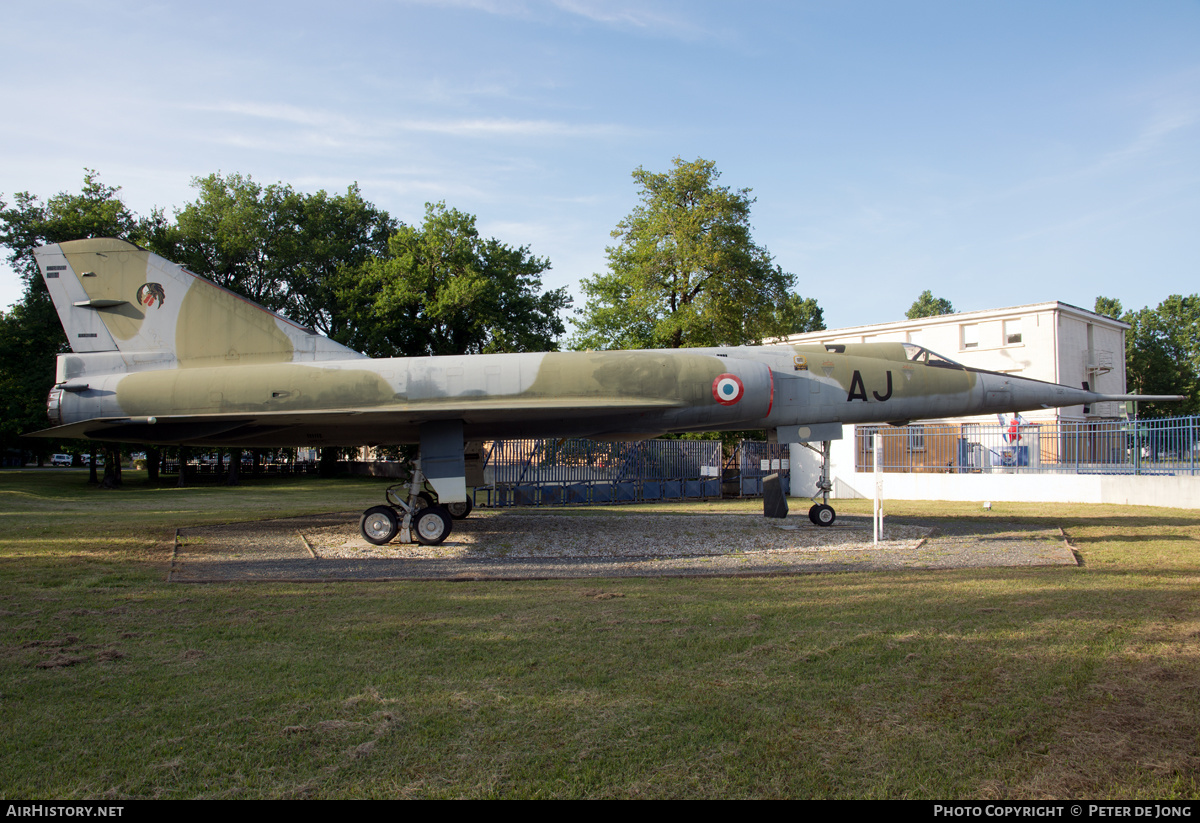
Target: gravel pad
x,y
522,545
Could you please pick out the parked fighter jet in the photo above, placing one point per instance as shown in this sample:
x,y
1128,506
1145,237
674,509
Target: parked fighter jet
x,y
161,355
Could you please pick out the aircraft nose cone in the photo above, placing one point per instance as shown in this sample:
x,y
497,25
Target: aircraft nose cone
x,y
1008,393
997,392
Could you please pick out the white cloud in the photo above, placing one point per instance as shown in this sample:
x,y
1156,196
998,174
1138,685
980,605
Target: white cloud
x,y
329,125
640,16
490,127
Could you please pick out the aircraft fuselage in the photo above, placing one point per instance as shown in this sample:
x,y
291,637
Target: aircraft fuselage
x,y
614,395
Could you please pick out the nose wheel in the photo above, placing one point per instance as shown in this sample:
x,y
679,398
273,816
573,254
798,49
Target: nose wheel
x,y
822,514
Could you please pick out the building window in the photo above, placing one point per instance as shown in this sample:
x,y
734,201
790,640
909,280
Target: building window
x,y
916,438
970,337
868,436
1012,332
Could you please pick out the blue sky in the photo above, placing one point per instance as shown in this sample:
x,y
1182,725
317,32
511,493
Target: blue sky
x,y
996,153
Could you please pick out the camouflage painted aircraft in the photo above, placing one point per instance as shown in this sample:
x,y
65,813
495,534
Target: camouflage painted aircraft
x,y
160,355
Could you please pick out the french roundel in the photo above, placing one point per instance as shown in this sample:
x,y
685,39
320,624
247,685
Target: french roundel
x,y
728,389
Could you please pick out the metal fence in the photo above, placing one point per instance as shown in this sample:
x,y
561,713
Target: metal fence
x,y
1165,447
536,472
756,460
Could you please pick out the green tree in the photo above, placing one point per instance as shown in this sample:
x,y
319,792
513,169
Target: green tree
x,y
1109,307
686,271
96,211
1162,354
442,289
281,248
929,306
799,314
27,350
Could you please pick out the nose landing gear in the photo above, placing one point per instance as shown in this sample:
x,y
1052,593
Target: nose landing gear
x,y
822,514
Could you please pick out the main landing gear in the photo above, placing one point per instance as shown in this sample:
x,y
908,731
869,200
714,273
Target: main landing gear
x,y
822,514
416,516
457,510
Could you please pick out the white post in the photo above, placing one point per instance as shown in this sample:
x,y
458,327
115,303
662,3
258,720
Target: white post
x,y
877,518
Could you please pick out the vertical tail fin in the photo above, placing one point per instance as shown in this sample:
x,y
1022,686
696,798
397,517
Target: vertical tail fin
x,y
135,310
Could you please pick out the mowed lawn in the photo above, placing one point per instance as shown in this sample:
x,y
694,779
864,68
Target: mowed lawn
x,y
1004,683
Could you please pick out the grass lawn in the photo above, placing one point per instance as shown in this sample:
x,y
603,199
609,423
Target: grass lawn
x,y
1006,683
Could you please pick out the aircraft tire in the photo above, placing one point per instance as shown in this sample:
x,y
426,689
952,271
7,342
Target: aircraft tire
x,y
379,525
432,525
822,514
460,510
423,500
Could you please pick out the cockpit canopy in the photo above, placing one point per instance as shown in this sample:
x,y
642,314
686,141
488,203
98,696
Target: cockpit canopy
x,y
901,352
920,354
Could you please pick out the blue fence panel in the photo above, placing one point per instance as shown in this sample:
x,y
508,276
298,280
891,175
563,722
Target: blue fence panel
x,y
1166,446
587,471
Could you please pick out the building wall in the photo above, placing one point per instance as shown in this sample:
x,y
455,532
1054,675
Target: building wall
x,y
1093,351
1181,492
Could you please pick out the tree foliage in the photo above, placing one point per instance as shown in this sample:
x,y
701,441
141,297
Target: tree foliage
x,y
1162,352
281,248
798,315
929,306
686,271
96,211
1109,307
27,350
443,289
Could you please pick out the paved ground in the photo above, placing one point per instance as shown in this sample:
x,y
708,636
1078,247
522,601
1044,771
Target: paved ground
x,y
515,544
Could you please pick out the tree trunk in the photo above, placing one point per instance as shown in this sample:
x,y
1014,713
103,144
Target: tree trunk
x,y
112,466
327,466
183,462
152,459
235,464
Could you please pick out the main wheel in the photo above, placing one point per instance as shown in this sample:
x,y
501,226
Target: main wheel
x,y
432,525
423,500
379,525
822,514
459,510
